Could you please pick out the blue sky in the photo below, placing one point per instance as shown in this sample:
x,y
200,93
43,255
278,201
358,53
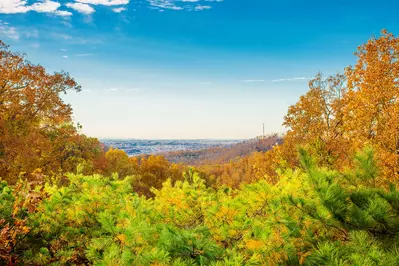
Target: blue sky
x,y
194,68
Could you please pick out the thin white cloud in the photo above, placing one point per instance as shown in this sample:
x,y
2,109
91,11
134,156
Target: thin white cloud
x,y
83,55
178,5
111,90
8,31
66,39
81,8
88,6
201,7
63,50
65,56
62,36
164,4
32,34
21,6
253,80
290,79
63,13
104,2
118,9
52,7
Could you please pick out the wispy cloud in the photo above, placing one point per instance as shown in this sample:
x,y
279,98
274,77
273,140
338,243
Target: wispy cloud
x,y
275,80
63,13
81,8
179,5
32,34
201,7
89,6
61,36
290,79
53,7
118,9
8,31
65,56
21,6
72,38
164,4
79,55
104,2
253,80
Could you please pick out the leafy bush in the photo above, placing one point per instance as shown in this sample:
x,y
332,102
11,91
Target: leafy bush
x,y
313,216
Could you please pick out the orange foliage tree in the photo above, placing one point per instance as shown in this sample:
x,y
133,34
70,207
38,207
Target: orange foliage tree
x,y
316,120
343,113
36,129
372,105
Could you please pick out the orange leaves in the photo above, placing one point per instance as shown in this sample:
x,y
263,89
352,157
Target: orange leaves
x,y
344,113
316,119
35,123
372,110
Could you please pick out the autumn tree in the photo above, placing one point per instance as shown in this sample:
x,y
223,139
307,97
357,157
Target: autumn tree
x,y
343,113
371,112
153,172
117,161
316,119
36,129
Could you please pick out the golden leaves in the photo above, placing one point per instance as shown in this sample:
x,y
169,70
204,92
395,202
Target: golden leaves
x,y
252,244
343,113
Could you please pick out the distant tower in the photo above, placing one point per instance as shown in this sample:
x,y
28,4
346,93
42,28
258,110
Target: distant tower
x,y
263,135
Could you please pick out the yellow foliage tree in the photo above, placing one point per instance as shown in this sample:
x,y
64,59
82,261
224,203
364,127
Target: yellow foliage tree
x,y
371,112
119,162
343,113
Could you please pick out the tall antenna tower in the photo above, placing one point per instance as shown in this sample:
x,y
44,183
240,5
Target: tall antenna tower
x,y
263,135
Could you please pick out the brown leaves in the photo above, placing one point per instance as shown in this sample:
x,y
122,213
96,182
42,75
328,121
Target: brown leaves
x,y
27,197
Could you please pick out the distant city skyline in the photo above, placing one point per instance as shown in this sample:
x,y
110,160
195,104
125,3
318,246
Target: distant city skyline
x,y
198,69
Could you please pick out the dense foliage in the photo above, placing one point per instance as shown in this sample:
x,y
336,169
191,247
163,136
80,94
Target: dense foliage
x,y
36,129
327,196
313,216
343,113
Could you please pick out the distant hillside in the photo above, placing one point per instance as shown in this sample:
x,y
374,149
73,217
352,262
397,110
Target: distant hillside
x,y
143,147
222,154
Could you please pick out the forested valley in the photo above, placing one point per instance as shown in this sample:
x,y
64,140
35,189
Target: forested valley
x,y
324,194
